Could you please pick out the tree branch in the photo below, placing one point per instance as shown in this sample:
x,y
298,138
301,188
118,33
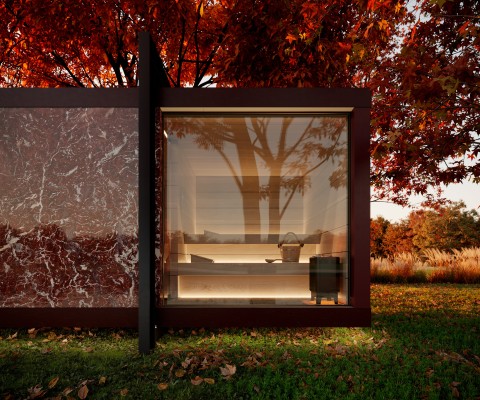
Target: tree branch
x,y
63,63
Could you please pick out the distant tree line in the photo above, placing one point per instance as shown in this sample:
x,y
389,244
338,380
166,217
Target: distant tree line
x,y
446,228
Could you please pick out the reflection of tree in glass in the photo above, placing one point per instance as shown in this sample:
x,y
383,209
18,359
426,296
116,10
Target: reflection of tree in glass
x,y
289,148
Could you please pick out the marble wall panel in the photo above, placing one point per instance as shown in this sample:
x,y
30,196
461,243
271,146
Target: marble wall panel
x,y
68,207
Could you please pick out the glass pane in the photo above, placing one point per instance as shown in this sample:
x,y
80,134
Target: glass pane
x,y
256,209
68,207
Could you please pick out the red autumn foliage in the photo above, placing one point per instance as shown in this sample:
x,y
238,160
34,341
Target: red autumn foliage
x,y
421,61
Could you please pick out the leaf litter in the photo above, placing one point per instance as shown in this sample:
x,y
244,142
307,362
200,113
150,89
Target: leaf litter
x,y
210,357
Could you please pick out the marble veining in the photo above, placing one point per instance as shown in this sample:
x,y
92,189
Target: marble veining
x,y
68,207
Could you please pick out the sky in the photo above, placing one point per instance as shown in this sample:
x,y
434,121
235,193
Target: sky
x,y
468,192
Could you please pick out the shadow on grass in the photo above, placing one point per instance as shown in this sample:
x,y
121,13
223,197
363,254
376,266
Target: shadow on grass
x,y
424,343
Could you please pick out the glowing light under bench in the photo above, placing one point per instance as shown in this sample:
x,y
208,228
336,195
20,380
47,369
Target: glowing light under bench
x,y
248,287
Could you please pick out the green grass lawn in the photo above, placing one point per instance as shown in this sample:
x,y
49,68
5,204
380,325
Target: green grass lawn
x,y
424,343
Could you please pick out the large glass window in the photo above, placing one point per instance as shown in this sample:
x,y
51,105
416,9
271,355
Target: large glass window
x,y
256,209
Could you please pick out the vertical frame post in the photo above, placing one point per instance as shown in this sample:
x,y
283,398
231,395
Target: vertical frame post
x,y
360,208
146,204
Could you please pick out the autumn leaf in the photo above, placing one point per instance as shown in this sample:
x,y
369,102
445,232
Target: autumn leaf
x,y
371,5
53,382
210,381
83,392
455,391
383,24
14,336
186,363
290,38
102,380
162,386
35,392
67,391
32,333
365,34
462,30
228,370
123,392
180,373
196,381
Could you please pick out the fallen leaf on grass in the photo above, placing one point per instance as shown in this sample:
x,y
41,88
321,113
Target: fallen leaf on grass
x,y
228,370
11,337
83,392
102,380
210,381
250,362
32,333
53,382
46,351
67,391
455,392
196,381
180,373
35,392
187,362
88,349
162,386
123,392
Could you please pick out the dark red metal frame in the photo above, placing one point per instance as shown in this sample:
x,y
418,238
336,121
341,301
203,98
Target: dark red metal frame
x,y
358,313
152,94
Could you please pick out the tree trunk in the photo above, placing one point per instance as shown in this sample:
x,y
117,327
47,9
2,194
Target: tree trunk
x,y
250,183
